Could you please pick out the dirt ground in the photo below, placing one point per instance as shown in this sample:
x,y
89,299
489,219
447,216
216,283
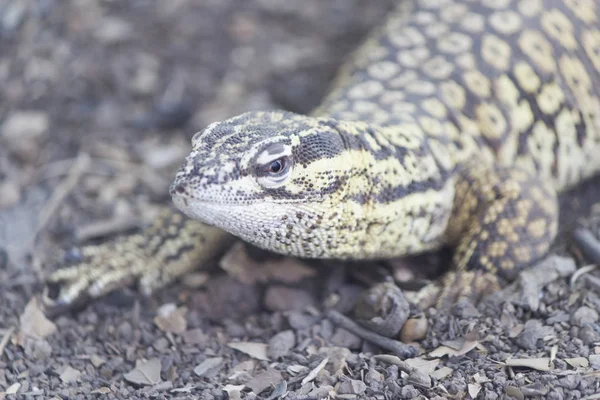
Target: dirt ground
x,y
98,102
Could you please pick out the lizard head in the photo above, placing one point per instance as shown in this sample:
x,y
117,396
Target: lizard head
x,y
274,179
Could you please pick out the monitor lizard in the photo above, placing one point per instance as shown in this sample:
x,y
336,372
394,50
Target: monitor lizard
x,y
455,123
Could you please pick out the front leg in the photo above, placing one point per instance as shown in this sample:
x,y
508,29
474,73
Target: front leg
x,y
172,246
504,220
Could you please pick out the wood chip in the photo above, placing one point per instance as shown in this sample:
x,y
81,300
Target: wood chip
x,y
253,349
540,364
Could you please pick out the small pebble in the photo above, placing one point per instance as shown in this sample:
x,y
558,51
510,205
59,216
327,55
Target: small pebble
x,y
584,315
344,338
414,329
281,344
588,335
595,361
352,386
281,298
10,194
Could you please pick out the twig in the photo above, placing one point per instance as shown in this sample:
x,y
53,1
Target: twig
x,y
106,228
78,168
588,244
400,349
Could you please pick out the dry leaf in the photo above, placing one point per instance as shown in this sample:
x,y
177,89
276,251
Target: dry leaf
x,y
474,389
145,372
578,362
462,348
423,366
171,319
13,389
441,373
210,364
70,375
540,364
186,389
97,360
33,322
234,391
253,349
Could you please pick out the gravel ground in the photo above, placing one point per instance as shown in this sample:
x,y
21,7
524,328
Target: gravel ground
x,y
99,99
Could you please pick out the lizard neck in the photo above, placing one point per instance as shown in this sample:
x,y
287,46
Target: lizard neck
x,y
400,191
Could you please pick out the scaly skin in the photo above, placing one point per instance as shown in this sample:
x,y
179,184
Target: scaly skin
x,y
456,123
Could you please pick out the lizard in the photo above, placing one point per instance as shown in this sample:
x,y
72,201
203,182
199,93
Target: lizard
x,y
455,123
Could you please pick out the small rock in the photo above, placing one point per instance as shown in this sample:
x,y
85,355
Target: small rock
x,y
70,375
532,331
281,298
595,361
352,386
414,329
125,331
113,30
264,380
569,382
419,378
195,337
584,315
280,344
374,379
25,125
22,131
588,335
161,344
409,392
383,309
209,367
344,338
299,320
10,194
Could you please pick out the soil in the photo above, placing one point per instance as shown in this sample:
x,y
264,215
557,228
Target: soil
x,y
99,100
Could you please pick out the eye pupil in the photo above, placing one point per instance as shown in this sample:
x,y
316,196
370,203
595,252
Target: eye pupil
x,y
276,166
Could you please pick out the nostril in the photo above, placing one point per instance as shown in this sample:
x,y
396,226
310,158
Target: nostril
x,y
180,188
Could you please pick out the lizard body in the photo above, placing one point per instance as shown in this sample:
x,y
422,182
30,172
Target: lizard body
x,y
456,123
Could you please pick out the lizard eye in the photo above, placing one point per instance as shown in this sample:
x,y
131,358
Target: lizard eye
x,y
274,166
279,166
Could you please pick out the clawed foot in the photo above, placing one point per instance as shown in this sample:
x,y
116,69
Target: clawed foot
x,y
171,247
102,269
